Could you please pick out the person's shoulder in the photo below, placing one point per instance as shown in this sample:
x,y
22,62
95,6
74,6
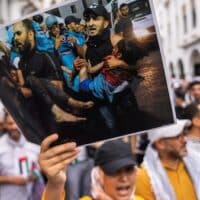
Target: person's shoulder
x,y
142,179
143,184
138,198
86,198
142,172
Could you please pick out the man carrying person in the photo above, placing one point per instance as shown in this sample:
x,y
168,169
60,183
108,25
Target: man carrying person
x,y
104,85
170,171
99,45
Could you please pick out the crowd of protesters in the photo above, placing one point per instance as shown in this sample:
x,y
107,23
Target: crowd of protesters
x,y
163,164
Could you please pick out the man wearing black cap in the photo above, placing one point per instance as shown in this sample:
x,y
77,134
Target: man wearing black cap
x,y
113,177
98,46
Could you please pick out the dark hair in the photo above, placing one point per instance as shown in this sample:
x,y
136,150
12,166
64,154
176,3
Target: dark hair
x,y
123,5
131,51
193,83
38,18
180,93
28,24
191,111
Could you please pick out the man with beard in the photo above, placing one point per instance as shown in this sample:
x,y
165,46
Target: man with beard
x,y
98,46
170,170
38,69
17,156
125,22
124,10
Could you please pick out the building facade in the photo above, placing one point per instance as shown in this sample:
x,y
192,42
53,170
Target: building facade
x,y
14,9
179,26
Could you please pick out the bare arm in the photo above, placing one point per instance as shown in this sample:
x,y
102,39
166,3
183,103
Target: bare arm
x,y
53,162
81,50
96,68
21,81
16,180
113,62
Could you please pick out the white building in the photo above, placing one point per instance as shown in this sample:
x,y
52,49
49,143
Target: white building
x,y
14,9
179,23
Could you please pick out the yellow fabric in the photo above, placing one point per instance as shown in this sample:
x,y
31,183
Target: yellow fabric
x,y
89,198
138,198
86,198
44,194
179,178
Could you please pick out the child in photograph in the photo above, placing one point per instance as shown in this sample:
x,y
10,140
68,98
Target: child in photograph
x,y
107,82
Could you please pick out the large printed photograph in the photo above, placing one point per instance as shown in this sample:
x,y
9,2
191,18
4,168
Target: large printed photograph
x,y
88,70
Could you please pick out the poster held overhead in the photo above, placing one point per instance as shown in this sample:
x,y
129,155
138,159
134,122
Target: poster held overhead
x,y
88,73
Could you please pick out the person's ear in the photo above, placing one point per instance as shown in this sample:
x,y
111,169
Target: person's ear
x,y
30,35
106,23
101,176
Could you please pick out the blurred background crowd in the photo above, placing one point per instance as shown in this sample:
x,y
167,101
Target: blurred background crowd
x,y
179,27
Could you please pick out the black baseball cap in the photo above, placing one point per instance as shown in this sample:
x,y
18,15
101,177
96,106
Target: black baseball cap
x,y
69,19
98,10
113,156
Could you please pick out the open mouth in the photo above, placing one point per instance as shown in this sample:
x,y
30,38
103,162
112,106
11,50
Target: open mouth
x,y
123,190
92,29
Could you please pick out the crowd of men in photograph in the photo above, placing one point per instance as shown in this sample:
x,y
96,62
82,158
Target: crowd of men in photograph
x,y
66,71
